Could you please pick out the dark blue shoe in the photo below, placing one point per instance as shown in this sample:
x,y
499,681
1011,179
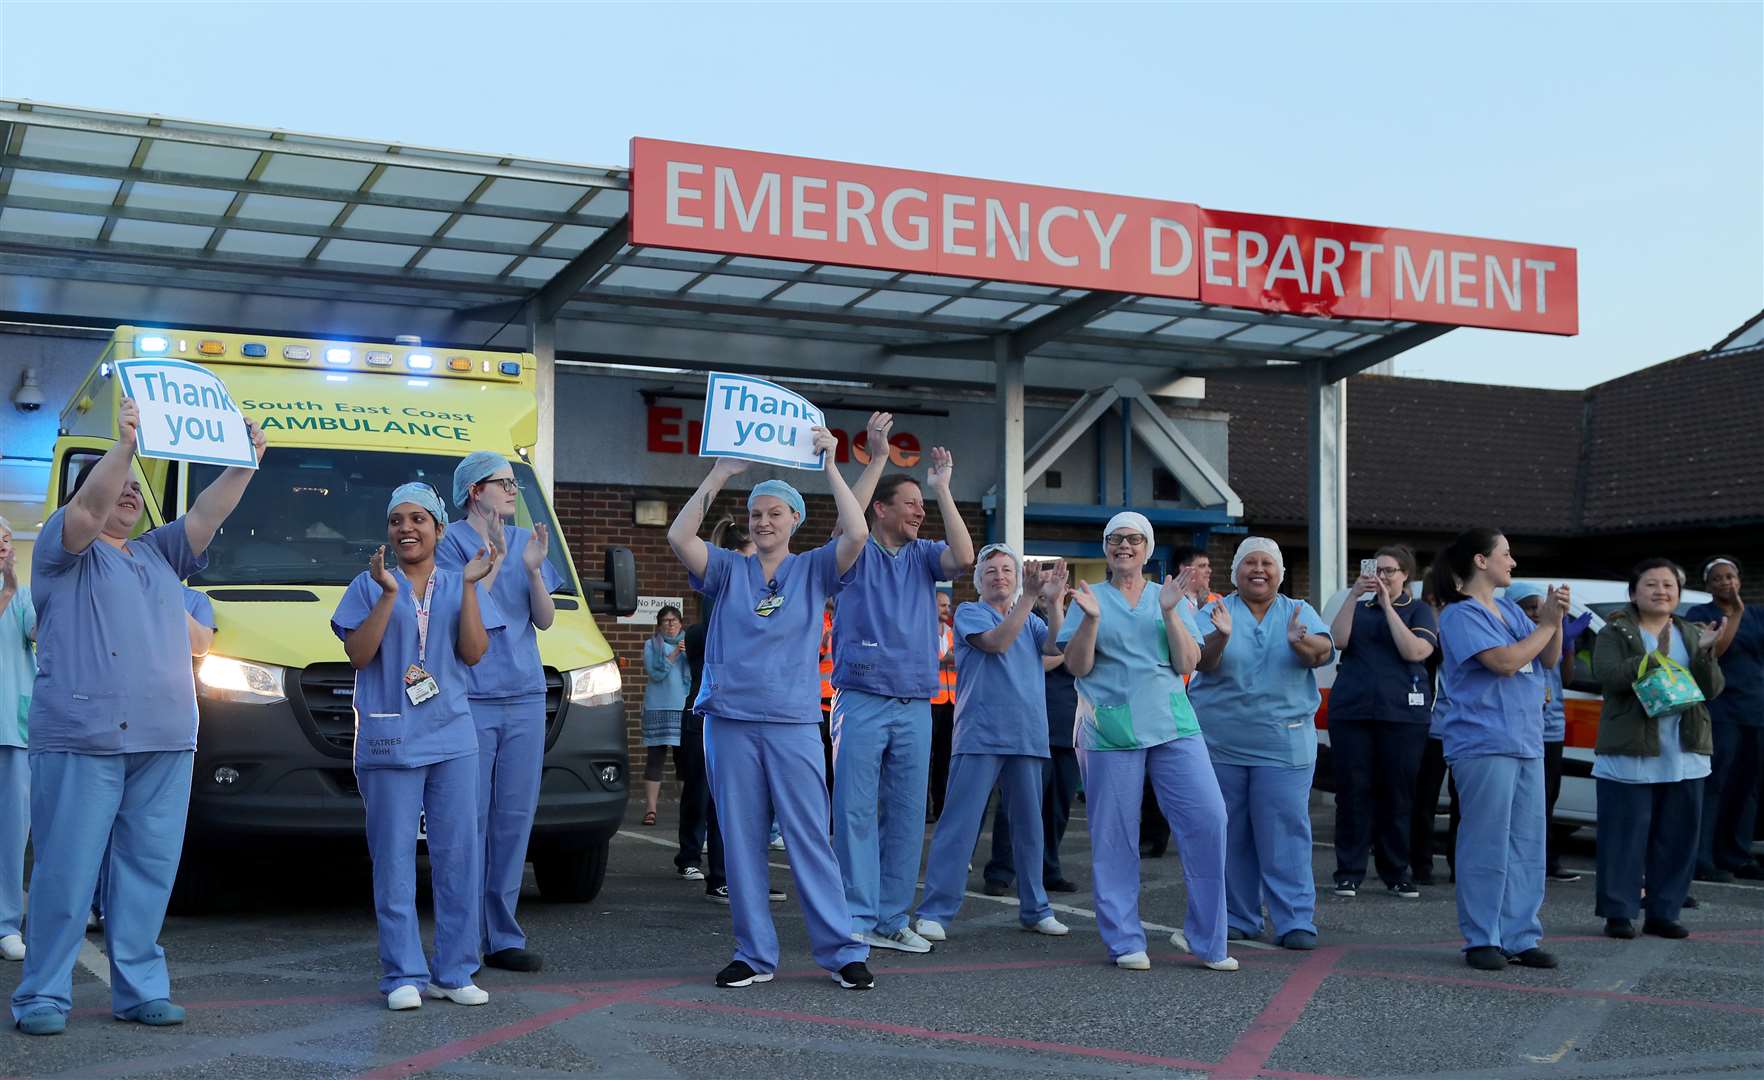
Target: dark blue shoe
x,y
156,1013
1302,940
43,1020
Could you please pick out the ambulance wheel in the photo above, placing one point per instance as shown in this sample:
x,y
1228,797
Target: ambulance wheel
x,y
571,877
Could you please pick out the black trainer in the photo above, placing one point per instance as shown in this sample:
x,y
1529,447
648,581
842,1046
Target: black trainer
x,y
1404,889
1621,929
717,895
996,888
1562,874
1535,958
1344,887
738,974
853,976
1060,885
514,960
1485,958
1665,928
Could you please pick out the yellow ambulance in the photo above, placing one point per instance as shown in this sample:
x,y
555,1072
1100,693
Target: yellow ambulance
x,y
346,422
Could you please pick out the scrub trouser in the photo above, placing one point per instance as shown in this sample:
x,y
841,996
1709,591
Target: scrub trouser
x,y
1500,862
699,842
1726,745
511,755
15,830
1059,787
1268,847
79,802
445,795
971,777
1376,765
1434,775
882,753
1182,774
1736,818
1643,829
759,769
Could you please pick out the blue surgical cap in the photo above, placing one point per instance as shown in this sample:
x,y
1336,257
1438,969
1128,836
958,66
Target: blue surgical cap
x,y
476,468
778,489
1523,590
419,494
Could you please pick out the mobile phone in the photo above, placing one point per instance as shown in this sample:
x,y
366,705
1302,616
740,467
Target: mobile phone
x,y
1368,567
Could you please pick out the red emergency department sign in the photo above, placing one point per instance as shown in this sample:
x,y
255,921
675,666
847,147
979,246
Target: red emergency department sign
x,y
706,198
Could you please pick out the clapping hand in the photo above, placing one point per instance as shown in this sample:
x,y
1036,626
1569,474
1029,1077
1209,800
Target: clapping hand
x,y
1555,604
1710,631
482,563
1173,590
1053,580
533,556
1221,617
1295,630
942,468
1086,600
383,577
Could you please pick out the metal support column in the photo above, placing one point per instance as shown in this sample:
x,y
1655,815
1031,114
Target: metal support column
x,y
542,336
1008,509
1326,428
1126,452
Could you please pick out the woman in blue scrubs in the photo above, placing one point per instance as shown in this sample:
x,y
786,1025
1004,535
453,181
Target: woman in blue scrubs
x,y
1490,720
18,668
759,694
506,689
1735,785
1255,693
411,631
1000,736
112,731
1129,647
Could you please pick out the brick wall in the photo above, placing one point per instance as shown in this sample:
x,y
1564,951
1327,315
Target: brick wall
x,y
593,517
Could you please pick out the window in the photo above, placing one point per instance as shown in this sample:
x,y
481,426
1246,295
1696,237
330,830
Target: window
x,y
1164,486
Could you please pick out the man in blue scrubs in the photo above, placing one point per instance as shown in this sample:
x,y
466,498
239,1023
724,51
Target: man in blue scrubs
x,y
884,675
506,688
113,731
1002,649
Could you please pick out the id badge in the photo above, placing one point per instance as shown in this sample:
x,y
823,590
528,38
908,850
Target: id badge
x,y
419,685
768,605
1417,699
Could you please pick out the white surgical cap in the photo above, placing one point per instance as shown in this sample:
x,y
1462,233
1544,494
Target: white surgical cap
x,y
1133,522
986,553
1252,544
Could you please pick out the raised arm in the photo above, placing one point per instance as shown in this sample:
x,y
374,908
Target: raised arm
x,y
1213,648
210,510
999,638
363,643
1341,627
854,533
1081,649
960,553
876,445
683,533
1409,645
540,607
1543,643
84,517
472,641
1184,652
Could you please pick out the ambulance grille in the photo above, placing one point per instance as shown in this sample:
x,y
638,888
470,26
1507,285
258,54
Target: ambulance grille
x,y
327,693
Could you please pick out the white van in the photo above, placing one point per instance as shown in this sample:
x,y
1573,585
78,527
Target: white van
x,y
1578,803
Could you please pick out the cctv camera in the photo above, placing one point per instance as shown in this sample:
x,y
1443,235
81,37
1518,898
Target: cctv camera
x,y
28,398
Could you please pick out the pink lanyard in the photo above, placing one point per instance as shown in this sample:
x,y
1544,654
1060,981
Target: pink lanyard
x,y
422,614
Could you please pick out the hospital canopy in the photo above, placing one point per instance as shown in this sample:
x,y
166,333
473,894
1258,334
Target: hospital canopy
x,y
702,238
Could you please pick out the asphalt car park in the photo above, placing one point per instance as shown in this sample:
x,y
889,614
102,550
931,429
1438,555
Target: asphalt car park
x,y
279,982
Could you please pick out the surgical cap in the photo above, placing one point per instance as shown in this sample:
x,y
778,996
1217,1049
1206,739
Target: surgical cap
x,y
1252,544
1523,590
475,469
987,552
778,489
1127,519
420,495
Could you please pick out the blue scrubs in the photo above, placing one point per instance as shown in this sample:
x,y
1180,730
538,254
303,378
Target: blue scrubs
x,y
1000,738
18,669
1258,711
884,675
417,764
1134,721
760,697
113,737
1492,728
1736,781
506,691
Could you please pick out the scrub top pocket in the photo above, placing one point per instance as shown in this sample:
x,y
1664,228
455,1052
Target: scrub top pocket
x,y
1114,727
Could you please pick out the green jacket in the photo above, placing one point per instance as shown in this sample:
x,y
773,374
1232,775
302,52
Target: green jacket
x,y
1624,726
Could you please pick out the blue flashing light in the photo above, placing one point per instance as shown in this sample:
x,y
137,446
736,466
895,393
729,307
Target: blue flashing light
x,y
254,348
337,356
420,361
152,343
510,367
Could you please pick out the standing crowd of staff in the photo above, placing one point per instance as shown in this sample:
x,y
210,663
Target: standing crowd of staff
x,y
1165,701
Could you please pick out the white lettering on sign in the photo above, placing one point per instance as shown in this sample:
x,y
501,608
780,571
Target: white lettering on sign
x,y
186,413
648,607
760,421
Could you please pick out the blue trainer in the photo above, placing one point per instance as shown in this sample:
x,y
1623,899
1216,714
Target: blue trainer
x,y
157,1013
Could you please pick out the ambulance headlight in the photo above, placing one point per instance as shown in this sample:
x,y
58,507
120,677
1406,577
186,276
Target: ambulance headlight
x,y
222,678
597,685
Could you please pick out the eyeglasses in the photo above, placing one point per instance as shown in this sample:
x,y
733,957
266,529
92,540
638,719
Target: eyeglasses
x,y
508,486
1133,540
1389,571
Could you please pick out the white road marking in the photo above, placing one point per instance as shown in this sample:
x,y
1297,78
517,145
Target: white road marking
x,y
92,958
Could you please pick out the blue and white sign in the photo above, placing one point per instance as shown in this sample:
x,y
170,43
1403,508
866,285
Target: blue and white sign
x,y
186,413
759,421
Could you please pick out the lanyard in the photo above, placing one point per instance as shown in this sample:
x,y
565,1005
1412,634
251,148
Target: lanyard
x,y
422,614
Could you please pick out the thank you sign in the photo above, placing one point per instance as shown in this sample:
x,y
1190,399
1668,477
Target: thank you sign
x,y
186,413
760,421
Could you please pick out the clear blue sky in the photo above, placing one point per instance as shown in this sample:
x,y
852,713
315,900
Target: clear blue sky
x,y
1632,132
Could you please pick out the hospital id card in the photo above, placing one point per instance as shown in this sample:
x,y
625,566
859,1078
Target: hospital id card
x,y
1417,699
419,685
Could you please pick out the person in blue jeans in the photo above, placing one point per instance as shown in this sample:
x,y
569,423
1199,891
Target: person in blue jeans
x,y
1255,694
1002,649
884,676
759,695
1490,720
1736,782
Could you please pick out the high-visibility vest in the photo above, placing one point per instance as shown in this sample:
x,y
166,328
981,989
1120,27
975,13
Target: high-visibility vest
x,y
826,661
946,668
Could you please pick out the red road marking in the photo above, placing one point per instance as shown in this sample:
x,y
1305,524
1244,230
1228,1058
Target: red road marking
x,y
1253,1048
1559,991
453,1051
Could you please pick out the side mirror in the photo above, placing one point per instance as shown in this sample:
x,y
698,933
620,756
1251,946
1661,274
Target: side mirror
x,y
616,594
